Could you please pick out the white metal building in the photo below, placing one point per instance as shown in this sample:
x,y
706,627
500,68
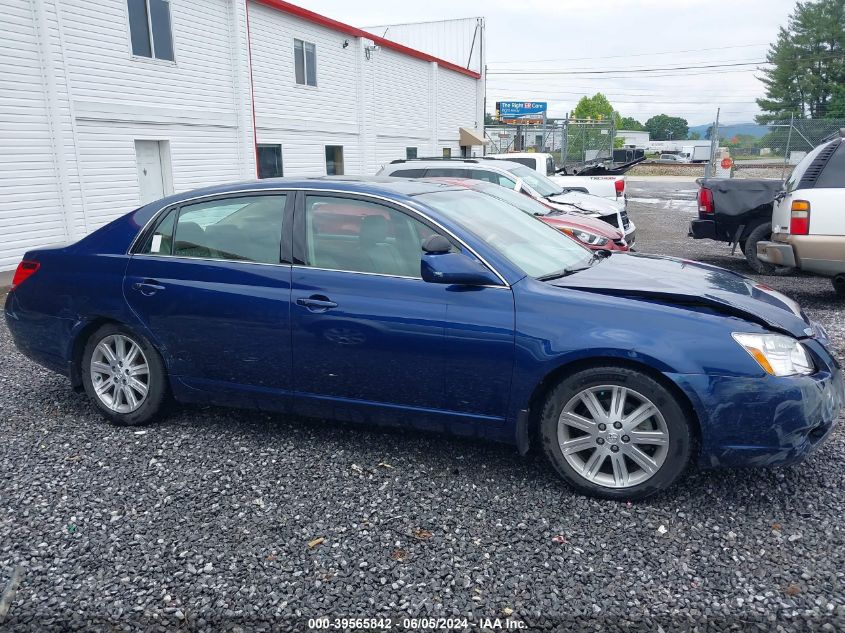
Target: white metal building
x,y
107,105
634,138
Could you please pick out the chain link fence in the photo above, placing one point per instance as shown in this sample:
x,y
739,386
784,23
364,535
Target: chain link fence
x,y
776,153
572,142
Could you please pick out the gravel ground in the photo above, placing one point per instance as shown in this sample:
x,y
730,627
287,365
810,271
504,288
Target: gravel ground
x,y
203,522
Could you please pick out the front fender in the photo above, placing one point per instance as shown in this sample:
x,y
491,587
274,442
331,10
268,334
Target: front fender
x,y
558,326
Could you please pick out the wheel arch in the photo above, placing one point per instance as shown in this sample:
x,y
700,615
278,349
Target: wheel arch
x,y
80,338
752,225
552,378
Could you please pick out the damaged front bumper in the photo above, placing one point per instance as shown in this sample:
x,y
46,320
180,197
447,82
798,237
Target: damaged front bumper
x,y
768,421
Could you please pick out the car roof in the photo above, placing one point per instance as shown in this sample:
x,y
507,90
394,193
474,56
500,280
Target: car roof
x,y
544,155
456,163
394,187
398,189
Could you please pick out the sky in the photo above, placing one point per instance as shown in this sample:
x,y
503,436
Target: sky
x,y
569,36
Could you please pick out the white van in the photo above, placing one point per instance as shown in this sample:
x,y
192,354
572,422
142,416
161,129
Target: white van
x,y
808,221
610,187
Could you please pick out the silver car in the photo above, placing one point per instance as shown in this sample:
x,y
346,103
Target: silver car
x,y
520,178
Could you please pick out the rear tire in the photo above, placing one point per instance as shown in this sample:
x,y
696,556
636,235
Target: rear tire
x,y
761,234
124,376
839,284
632,440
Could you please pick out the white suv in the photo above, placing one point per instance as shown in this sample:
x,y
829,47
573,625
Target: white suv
x,y
808,221
519,178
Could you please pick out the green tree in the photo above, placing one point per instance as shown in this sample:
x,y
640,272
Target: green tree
x,y
836,107
694,136
630,123
663,127
807,63
596,107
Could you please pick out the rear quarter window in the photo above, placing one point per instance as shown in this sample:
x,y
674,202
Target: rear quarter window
x,y
833,175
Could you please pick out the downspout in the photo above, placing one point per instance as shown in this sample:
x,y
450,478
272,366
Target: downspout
x,y
251,87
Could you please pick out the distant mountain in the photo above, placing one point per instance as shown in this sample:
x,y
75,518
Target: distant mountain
x,y
729,130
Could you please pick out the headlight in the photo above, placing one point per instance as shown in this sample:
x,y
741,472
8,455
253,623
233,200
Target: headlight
x,y
779,355
587,238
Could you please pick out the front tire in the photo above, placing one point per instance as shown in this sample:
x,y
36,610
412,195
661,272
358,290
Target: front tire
x,y
615,433
124,376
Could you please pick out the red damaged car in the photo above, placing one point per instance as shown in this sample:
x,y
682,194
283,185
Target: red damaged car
x,y
594,234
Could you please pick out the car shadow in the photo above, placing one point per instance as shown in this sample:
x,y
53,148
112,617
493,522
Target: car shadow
x,y
489,463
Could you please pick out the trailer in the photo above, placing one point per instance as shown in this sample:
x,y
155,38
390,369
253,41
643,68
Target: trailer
x,y
696,153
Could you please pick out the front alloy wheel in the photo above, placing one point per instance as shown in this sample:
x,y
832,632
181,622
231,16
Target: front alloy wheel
x,y
613,436
616,432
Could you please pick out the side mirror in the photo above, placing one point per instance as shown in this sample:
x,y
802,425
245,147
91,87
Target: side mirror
x,y
455,269
436,244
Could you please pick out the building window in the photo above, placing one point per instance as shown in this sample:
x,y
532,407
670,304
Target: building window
x,y
334,160
305,63
270,161
149,28
447,152
410,152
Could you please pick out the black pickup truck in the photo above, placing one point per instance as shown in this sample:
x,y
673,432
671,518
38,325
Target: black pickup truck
x,y
738,212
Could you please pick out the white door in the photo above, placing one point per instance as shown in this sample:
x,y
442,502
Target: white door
x,y
151,175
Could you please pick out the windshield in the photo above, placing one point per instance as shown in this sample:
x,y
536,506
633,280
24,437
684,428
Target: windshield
x,y
529,244
537,181
521,201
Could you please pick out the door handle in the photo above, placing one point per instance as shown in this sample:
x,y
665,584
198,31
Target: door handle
x,y
316,303
148,287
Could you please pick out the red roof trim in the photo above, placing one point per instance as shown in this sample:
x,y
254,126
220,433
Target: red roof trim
x,y
322,20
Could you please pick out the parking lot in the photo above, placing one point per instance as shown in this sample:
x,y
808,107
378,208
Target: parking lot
x,y
219,518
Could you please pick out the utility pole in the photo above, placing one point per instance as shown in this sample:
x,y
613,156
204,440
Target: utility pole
x,y
714,144
788,142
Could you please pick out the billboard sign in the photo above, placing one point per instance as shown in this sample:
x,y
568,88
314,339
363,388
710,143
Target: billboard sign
x,y
518,112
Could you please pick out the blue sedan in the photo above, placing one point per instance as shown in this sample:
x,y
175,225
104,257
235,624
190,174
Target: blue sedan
x,y
433,306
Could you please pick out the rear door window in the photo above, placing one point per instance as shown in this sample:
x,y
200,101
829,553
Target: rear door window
x,y
833,175
408,173
244,228
446,172
491,176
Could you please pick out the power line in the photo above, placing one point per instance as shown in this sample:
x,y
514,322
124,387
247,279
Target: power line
x,y
619,71
696,62
539,90
598,58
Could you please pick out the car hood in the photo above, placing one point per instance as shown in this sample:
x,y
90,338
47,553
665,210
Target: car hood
x,y
584,202
583,222
685,282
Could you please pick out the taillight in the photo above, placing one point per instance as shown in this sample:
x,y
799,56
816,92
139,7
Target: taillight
x,y
705,200
799,223
620,187
25,271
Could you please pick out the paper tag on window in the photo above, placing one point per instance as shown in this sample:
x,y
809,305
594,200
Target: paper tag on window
x,y
156,247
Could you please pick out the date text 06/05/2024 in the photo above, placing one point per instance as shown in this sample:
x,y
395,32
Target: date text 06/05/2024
x,y
384,624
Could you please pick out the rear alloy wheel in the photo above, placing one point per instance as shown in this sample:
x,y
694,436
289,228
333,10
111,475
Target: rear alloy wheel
x,y
123,375
613,432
